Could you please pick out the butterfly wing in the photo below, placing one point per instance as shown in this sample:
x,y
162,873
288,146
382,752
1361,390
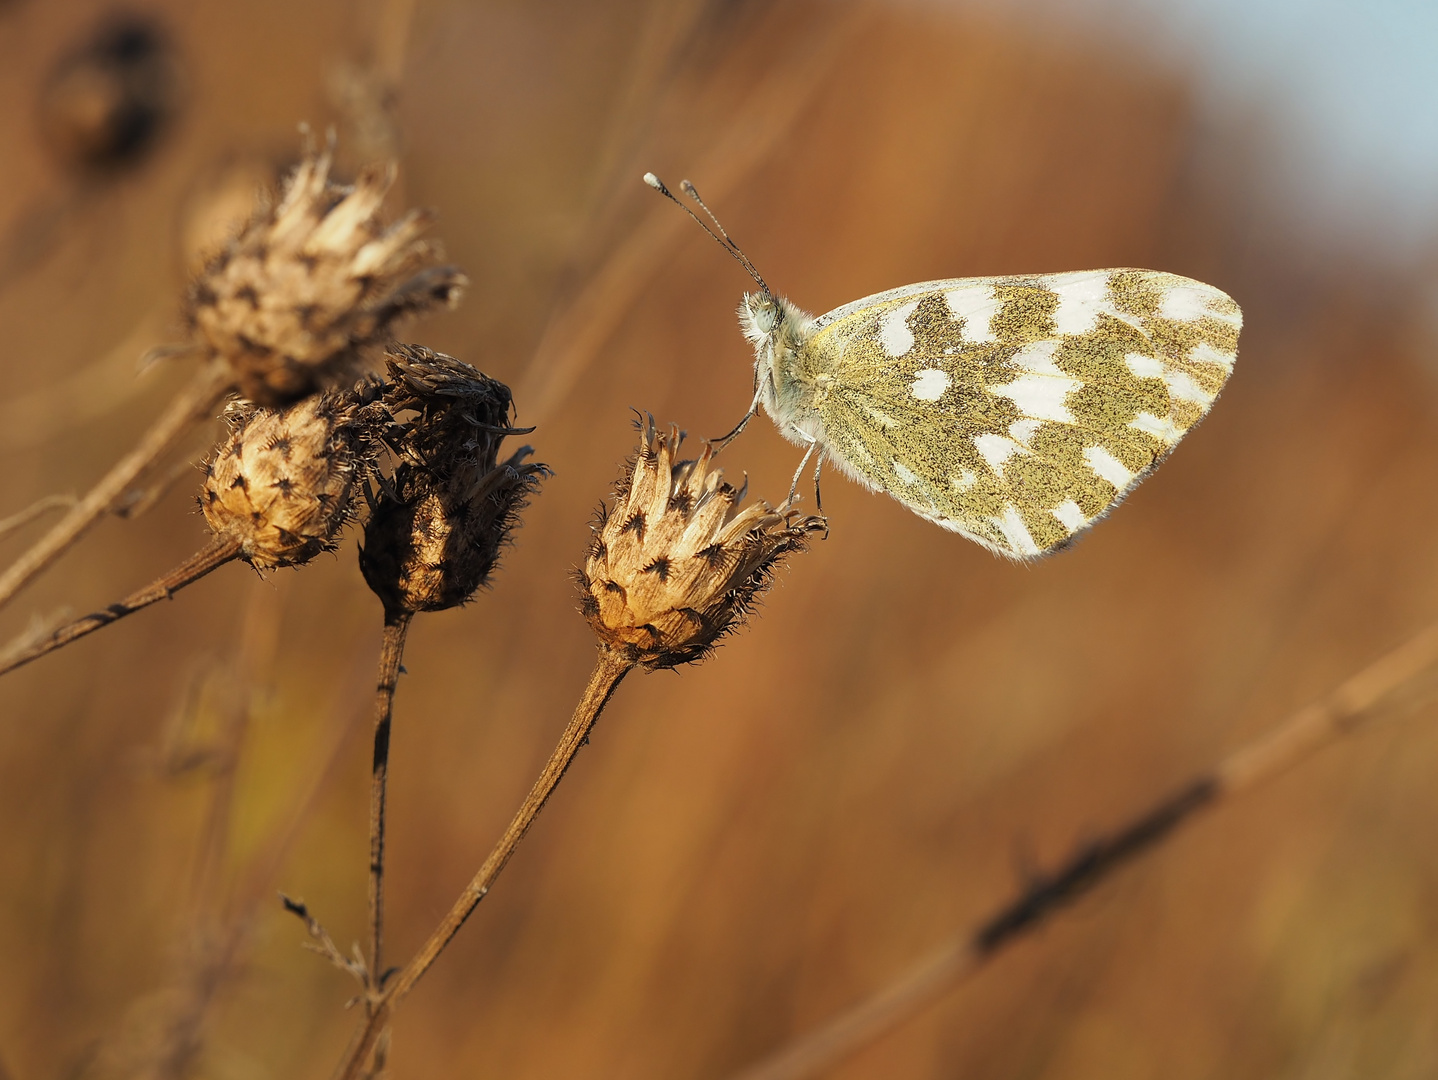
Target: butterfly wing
x,y
1018,411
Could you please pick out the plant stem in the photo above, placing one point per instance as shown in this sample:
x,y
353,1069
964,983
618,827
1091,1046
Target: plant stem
x,y
214,555
609,670
396,626
34,510
191,404
957,960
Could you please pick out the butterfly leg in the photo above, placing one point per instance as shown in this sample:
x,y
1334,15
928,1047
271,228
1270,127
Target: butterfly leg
x,y
725,440
818,502
794,487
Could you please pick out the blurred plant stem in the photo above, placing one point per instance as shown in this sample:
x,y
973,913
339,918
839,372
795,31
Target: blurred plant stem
x,y
40,506
609,670
396,627
214,933
192,404
214,555
1316,725
579,328
102,387
226,895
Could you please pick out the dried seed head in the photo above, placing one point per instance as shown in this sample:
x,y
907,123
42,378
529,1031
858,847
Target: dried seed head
x,y
284,483
305,294
105,105
675,563
436,529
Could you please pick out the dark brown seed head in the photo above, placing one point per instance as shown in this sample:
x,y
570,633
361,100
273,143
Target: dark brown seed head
x,y
105,105
676,562
306,295
284,482
437,527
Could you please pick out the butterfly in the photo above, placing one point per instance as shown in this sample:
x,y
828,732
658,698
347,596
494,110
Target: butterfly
x,y
1015,410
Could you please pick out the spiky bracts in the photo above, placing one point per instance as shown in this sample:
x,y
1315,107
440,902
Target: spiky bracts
x,y
306,295
285,481
676,561
437,528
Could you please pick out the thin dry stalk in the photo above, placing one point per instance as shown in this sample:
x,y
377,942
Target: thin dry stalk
x,y
224,916
165,1036
40,506
251,669
224,906
75,401
192,404
344,713
278,491
679,564
218,552
396,626
609,670
138,501
576,333
325,946
434,534
366,89
1311,728
297,302
211,953
391,39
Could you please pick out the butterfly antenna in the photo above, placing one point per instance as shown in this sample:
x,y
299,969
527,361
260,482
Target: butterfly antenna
x,y
693,192
721,237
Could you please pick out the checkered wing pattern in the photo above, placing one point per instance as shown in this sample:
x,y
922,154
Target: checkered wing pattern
x,y
1016,410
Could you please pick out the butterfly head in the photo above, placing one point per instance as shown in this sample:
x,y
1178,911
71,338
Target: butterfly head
x,y
759,315
769,321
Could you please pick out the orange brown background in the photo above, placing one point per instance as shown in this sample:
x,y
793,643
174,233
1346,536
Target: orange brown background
x,y
908,728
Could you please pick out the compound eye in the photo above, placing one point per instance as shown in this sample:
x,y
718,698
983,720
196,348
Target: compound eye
x,y
763,313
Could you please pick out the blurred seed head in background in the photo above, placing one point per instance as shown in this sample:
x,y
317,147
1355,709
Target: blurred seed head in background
x,y
308,292
105,104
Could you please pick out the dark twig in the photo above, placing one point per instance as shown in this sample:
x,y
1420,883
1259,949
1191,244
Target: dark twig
x,y
325,946
211,557
1312,727
391,654
609,670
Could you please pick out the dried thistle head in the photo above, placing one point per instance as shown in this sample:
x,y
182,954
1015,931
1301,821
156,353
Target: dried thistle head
x,y
285,482
676,562
308,291
436,529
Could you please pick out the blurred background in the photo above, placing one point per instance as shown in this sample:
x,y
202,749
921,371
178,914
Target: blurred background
x,y
911,726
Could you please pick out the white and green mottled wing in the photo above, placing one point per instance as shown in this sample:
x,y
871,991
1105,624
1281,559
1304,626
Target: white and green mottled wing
x,y
1018,410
